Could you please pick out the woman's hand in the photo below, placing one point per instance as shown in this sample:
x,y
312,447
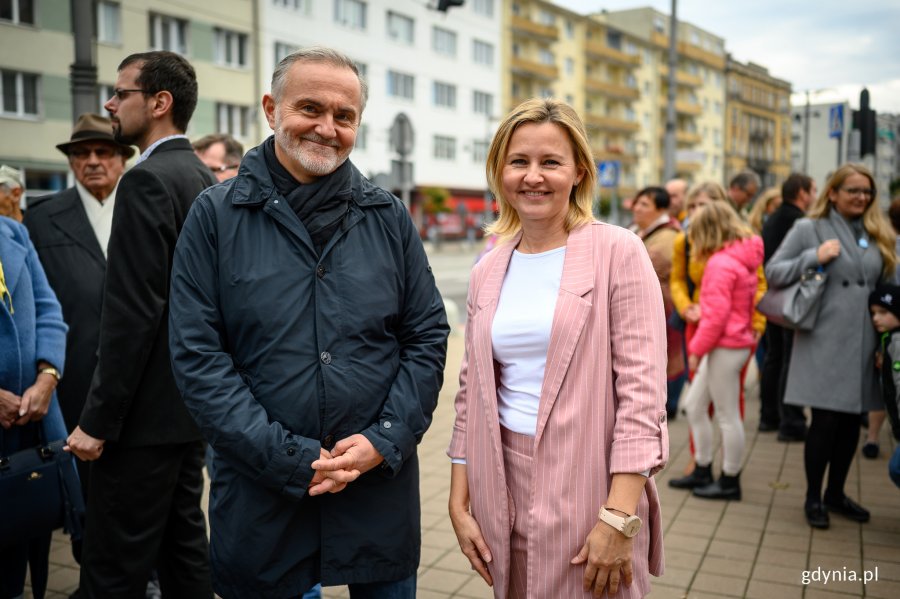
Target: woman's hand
x,y
692,314
9,408
693,362
828,251
607,554
36,399
471,541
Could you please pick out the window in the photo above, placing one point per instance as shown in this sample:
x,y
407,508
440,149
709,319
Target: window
x,y
484,7
303,7
444,95
20,94
482,103
546,57
363,69
230,48
659,23
362,137
546,92
570,66
108,17
718,107
480,150
614,40
443,41
282,49
444,147
168,33
17,11
400,28
547,18
104,93
570,30
232,119
400,85
350,13
482,53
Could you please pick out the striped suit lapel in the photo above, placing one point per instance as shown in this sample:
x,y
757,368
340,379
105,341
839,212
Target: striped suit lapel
x,y
573,306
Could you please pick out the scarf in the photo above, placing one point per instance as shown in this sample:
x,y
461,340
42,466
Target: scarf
x,y
5,297
321,205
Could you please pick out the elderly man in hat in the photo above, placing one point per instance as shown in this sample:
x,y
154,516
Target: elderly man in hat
x,y
70,231
12,186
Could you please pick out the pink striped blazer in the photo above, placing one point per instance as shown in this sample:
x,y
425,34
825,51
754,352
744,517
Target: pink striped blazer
x,y
602,410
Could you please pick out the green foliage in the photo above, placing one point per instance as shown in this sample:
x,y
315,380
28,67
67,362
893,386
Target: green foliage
x,y
435,200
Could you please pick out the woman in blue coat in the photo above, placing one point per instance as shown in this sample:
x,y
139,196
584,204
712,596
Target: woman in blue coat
x,y
32,350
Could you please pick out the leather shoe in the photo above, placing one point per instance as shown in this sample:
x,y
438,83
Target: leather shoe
x,y
766,427
816,516
848,508
788,436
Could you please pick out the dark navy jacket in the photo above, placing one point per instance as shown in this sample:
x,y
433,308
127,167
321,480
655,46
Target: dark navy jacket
x,y
260,323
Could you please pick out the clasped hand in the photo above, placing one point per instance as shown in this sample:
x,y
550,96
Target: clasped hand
x,y
349,458
30,407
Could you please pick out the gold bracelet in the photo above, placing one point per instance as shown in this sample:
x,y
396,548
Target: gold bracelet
x,y
51,371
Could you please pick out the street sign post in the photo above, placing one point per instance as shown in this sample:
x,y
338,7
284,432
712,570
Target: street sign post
x,y
608,174
836,128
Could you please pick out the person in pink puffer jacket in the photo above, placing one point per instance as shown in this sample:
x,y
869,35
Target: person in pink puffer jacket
x,y
723,341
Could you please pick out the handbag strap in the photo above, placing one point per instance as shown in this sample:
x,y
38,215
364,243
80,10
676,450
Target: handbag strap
x,y
43,445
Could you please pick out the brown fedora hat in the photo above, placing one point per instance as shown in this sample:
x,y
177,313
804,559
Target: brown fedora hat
x,y
93,127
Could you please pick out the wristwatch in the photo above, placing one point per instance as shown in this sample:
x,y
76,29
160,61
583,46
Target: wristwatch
x,y
51,371
628,526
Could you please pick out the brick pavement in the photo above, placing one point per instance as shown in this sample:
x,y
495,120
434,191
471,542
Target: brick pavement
x,y
757,548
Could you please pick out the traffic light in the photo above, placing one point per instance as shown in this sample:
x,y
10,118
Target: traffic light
x,y
443,5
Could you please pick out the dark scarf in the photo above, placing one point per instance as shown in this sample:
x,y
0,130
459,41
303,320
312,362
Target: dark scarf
x,y
321,205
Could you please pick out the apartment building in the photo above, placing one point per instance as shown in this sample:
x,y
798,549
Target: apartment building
x,y
37,49
441,69
816,147
554,52
758,123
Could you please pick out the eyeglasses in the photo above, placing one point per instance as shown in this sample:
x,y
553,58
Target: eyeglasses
x,y
121,94
855,191
103,152
224,167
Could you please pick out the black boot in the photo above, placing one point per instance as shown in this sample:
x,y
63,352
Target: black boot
x,y
701,476
727,487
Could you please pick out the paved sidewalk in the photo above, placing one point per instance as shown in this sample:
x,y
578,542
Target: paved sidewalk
x,y
757,548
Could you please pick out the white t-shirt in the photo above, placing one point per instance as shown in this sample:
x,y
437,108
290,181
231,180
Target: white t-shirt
x,y
520,335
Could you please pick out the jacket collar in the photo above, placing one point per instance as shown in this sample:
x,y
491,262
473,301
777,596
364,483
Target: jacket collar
x,y
253,185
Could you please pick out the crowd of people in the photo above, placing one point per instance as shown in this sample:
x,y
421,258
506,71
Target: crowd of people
x,y
272,316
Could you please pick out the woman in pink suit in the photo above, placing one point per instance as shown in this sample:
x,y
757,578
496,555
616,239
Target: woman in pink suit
x,y
561,419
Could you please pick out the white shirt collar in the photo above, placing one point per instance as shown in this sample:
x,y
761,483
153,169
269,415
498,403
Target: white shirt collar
x,y
146,153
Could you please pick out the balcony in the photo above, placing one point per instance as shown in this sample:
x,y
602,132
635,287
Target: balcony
x,y
600,50
688,166
681,77
613,90
524,26
602,155
530,68
608,123
685,138
688,108
691,51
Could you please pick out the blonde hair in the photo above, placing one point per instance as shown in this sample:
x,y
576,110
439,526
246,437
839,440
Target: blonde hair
x,y
761,207
714,226
540,111
874,222
711,189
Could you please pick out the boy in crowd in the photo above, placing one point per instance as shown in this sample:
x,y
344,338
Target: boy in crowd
x,y
884,303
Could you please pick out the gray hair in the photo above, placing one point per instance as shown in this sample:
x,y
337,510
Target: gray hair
x,y
745,178
317,54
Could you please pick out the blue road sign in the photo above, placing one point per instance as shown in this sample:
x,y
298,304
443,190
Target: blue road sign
x,y
836,121
608,173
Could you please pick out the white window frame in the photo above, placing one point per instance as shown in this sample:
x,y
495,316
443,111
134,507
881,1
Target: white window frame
x,y
484,7
105,13
444,94
482,103
480,148
351,13
546,57
230,48
444,147
176,29
104,93
362,137
233,119
282,49
482,53
443,41
19,108
401,85
16,17
401,28
303,7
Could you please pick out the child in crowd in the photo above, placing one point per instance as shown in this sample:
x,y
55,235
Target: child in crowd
x,y
884,303
721,345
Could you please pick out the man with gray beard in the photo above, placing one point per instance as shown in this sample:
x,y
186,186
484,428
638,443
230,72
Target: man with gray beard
x,y
308,340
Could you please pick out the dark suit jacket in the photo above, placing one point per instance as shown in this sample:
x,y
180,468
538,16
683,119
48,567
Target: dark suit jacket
x,y
75,266
133,399
777,226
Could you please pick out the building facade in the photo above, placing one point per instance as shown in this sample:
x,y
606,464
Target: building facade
x,y
757,129
37,49
817,149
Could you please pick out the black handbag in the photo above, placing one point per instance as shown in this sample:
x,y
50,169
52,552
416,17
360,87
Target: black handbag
x,y
40,492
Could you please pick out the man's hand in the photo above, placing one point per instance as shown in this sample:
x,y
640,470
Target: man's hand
x,y
9,408
36,399
83,445
351,457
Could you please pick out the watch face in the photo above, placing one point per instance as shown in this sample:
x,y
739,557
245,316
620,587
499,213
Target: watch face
x,y
632,526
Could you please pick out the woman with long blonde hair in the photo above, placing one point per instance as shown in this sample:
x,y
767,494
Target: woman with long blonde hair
x,y
848,237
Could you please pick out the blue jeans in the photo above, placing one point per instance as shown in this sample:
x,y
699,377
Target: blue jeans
x,y
397,589
894,466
